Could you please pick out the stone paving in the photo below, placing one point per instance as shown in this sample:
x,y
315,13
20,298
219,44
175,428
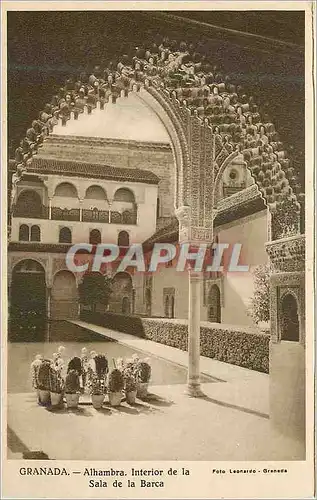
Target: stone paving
x,y
230,423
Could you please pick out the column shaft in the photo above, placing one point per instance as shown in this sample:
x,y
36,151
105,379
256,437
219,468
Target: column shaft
x,y
193,381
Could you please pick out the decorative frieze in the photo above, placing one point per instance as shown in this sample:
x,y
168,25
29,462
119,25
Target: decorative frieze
x,y
201,234
247,194
288,254
195,150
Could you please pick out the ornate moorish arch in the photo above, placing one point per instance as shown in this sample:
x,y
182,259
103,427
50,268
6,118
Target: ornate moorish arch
x,y
208,118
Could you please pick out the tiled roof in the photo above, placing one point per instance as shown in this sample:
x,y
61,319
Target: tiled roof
x,y
72,168
168,233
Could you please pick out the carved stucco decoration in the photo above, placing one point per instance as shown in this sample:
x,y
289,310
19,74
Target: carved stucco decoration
x,y
282,283
199,105
287,254
183,215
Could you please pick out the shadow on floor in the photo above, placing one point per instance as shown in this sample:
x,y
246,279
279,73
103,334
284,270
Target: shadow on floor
x,y
15,445
61,410
235,407
155,400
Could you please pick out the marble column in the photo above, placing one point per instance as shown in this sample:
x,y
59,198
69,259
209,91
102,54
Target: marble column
x,y
50,208
48,302
81,201
193,379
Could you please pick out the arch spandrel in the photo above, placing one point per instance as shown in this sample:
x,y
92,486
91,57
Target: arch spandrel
x,y
197,105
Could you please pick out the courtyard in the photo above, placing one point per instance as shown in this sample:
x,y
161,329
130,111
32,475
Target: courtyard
x,y
230,423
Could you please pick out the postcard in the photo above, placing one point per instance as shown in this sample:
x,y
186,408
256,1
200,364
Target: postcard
x,y
158,250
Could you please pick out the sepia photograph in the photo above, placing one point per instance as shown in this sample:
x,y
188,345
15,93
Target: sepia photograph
x,y
157,260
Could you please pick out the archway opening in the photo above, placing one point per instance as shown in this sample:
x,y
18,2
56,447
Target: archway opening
x,y
289,318
66,190
28,301
95,193
65,235
214,305
166,306
172,307
95,237
64,298
24,232
123,239
126,306
148,302
122,293
29,204
35,233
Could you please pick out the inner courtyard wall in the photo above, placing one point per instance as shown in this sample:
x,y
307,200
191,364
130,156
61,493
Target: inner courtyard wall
x,y
238,287
145,197
154,157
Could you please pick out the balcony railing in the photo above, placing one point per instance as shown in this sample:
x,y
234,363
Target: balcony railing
x,y
74,214
126,217
26,213
64,214
96,216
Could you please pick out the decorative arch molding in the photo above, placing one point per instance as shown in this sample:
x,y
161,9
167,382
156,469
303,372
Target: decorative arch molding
x,y
64,295
169,114
208,284
14,260
284,294
29,203
63,270
96,192
73,189
60,266
124,192
209,118
221,165
290,291
29,260
21,189
123,275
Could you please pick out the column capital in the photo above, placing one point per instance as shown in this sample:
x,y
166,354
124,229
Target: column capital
x,y
49,184
194,235
201,234
183,215
194,275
